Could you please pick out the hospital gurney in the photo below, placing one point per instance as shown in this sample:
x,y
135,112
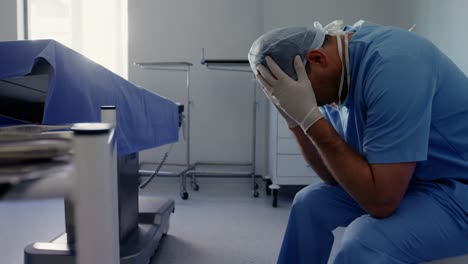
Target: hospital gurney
x,y
51,84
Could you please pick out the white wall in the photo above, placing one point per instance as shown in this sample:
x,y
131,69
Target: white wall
x,y
444,23
279,13
177,30
8,21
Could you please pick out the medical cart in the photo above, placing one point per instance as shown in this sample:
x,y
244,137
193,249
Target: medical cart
x,y
208,168
178,170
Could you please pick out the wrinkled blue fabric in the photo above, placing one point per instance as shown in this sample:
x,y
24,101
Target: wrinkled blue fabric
x,y
422,228
78,87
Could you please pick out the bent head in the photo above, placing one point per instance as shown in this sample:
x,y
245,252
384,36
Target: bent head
x,y
317,50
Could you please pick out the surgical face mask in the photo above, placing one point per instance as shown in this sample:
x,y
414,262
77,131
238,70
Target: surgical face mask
x,y
335,29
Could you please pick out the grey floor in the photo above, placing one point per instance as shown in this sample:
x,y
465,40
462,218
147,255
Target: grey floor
x,y
222,223
22,223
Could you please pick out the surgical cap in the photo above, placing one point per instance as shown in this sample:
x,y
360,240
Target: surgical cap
x,y
283,44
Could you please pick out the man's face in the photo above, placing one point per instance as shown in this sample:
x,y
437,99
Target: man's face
x,y
325,82
324,68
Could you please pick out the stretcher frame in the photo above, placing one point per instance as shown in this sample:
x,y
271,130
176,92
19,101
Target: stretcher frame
x,y
177,66
231,66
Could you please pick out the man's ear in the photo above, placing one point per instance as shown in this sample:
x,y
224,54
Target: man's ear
x,y
316,58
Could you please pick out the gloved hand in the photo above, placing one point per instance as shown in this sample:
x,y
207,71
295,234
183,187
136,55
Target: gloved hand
x,y
291,123
296,98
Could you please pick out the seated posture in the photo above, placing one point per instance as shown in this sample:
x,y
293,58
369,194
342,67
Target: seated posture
x,y
381,114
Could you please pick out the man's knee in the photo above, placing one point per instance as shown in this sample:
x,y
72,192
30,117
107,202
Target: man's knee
x,y
309,198
364,243
354,252
313,203
359,248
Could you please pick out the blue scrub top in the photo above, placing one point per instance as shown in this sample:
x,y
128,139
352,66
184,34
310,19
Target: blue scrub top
x,y
407,102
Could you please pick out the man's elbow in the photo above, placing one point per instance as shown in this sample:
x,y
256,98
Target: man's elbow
x,y
330,182
381,211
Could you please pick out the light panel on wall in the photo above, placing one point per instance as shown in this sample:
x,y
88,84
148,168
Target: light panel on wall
x,y
96,29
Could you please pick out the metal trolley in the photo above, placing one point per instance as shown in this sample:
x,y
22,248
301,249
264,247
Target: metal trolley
x,y
180,169
206,168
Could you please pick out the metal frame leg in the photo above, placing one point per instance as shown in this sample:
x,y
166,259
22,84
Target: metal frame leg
x,y
183,177
254,143
178,67
194,183
183,186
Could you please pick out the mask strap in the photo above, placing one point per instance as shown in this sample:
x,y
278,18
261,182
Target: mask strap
x,y
340,54
347,60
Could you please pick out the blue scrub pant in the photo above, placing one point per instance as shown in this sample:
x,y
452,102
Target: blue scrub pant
x,y
428,225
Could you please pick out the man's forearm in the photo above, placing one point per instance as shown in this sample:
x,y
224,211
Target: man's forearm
x,y
312,156
350,169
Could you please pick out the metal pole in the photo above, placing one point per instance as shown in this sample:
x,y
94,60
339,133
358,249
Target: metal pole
x,y
254,117
94,196
189,106
177,66
254,143
109,116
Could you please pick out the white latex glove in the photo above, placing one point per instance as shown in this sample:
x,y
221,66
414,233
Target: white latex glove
x,y
291,122
295,98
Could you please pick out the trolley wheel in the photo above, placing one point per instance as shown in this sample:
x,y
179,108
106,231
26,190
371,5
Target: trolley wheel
x,y
275,198
256,194
195,187
184,195
256,186
267,186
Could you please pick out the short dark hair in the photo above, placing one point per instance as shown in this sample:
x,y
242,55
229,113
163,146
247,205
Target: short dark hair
x,y
326,40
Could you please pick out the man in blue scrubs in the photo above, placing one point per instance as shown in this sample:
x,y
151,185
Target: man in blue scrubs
x,y
381,114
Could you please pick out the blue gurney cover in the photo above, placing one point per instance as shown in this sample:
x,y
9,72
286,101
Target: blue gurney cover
x,y
78,87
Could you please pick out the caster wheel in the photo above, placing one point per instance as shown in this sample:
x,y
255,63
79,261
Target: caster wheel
x,y
275,199
267,187
184,195
195,187
256,194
